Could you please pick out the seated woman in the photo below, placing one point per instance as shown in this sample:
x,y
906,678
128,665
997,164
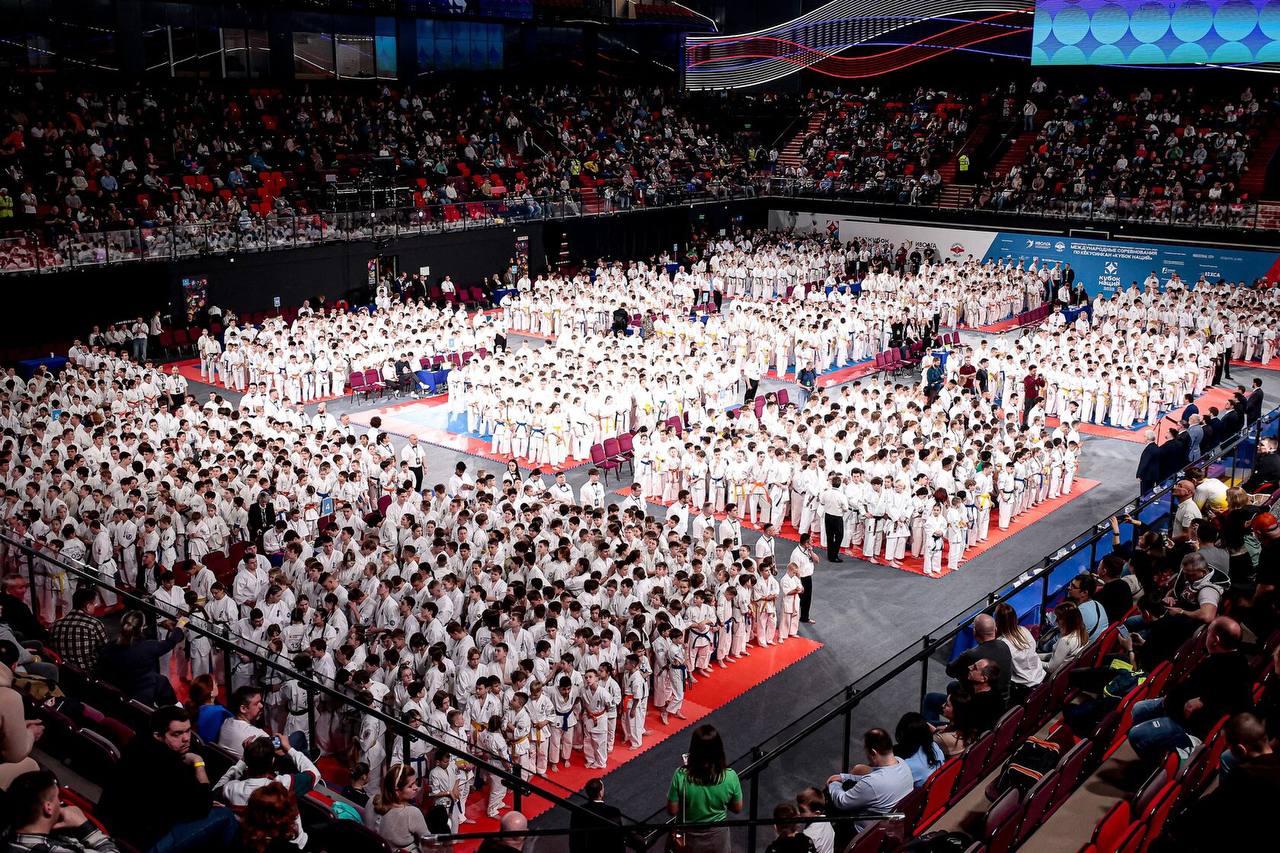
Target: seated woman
x,y
1071,640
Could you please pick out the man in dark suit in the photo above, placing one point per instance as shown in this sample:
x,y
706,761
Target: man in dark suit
x,y
1148,473
1173,453
1232,421
1266,469
595,834
988,647
1253,403
1191,409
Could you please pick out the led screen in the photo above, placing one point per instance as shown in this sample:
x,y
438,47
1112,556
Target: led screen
x,y
1145,32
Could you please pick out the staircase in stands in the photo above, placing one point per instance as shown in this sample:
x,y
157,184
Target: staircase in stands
x,y
591,200
955,196
1016,153
792,153
1269,214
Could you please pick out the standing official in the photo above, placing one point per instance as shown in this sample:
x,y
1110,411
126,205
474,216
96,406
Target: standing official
x,y
834,506
415,458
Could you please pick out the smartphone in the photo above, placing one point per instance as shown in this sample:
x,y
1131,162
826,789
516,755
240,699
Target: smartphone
x,y
684,759
275,741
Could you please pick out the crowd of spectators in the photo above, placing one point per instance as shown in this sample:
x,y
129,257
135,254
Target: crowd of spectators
x,y
1174,154
879,146
75,161
1215,572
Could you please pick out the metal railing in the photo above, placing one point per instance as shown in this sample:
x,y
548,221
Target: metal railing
x,y
1099,209
820,741
33,253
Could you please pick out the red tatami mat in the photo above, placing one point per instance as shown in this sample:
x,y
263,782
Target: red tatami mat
x,y
915,565
993,328
190,369
708,695
1219,397
1273,364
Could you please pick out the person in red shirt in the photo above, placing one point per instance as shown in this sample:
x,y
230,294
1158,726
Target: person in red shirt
x,y
1032,385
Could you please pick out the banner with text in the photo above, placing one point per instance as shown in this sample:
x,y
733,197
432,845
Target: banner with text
x,y
1107,265
1103,265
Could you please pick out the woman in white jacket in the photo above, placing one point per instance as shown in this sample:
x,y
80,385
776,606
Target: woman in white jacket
x,y
1072,637
1028,669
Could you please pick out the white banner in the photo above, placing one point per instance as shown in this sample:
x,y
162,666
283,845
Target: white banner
x,y
956,243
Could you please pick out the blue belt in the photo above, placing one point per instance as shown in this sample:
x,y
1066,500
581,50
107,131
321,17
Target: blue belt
x,y
564,719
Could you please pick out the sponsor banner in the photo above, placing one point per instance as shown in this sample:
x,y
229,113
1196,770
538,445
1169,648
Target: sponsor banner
x,y
1107,265
1103,265
957,243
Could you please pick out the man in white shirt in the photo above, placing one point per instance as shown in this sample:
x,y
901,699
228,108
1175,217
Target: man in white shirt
x,y
247,704
414,456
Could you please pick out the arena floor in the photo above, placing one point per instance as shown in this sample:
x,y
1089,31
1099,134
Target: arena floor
x,y
865,613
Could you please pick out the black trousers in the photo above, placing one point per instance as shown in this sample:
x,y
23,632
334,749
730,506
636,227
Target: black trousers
x,y
834,525
753,385
417,478
806,597
1227,355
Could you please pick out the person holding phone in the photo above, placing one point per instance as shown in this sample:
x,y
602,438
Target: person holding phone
x,y
257,769
704,791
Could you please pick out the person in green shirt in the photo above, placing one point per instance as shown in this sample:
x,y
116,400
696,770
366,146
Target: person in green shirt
x,y
705,790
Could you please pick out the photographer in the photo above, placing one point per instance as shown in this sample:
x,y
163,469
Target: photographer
x,y
258,769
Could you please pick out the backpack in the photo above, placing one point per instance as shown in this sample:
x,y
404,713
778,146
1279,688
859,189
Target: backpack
x,y
1024,768
938,842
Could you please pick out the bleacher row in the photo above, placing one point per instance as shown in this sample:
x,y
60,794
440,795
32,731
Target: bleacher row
x,y
89,730
960,795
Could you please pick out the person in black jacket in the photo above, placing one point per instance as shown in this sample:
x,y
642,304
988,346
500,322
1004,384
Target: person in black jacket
x,y
262,516
1220,684
160,796
1266,468
1253,402
1148,472
598,833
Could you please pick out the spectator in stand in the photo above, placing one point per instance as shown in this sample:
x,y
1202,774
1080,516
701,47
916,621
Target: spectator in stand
x,y
986,646
1026,669
42,824
1072,637
1220,684
1230,816
600,833
17,734
704,791
79,636
246,705
1117,590
791,837
1197,590
271,821
131,661
1081,590
179,811
202,703
871,788
914,744
813,803
258,768
1266,468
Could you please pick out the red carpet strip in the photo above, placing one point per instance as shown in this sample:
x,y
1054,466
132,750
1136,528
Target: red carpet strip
x,y
708,695
915,565
1219,397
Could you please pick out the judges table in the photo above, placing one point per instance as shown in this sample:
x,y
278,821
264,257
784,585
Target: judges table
x,y
28,368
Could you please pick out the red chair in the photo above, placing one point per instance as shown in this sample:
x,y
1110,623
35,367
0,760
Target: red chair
x,y
938,789
383,503
613,450
356,380
625,446
601,461
1002,820
372,380
784,399
973,766
1110,831
1038,802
